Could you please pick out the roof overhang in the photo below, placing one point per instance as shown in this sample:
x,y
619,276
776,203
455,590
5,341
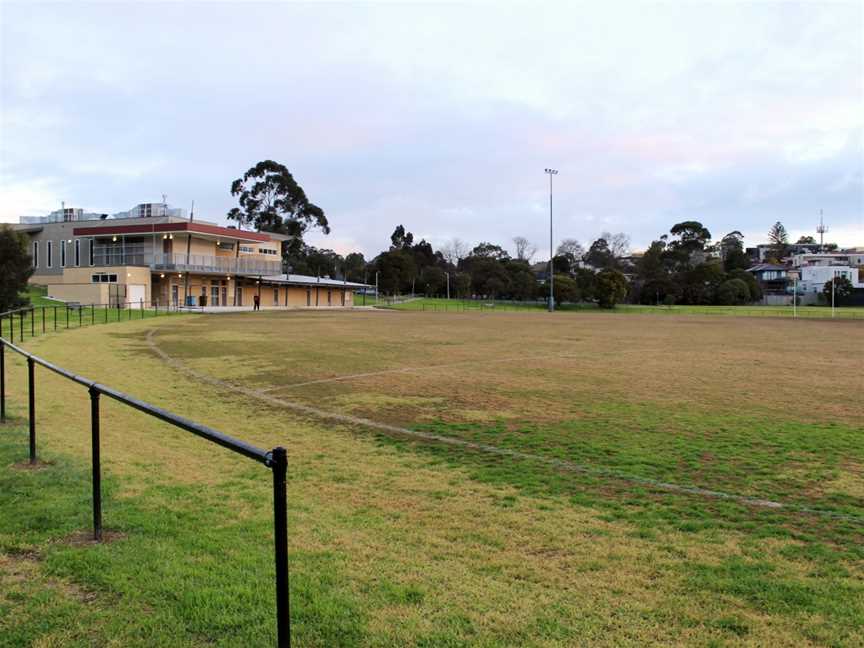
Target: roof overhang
x,y
302,280
201,229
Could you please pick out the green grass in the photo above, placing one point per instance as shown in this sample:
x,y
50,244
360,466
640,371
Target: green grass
x,y
399,543
432,304
180,569
38,296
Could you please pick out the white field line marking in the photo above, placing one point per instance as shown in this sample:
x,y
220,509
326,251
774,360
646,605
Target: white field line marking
x,y
384,372
484,447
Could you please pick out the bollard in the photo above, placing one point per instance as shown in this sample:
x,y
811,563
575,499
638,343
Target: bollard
x,y
280,542
31,402
97,469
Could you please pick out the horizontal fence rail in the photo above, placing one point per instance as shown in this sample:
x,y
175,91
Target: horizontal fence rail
x,y
276,459
474,305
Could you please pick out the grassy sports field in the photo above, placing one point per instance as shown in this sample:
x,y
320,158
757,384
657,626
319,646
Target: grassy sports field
x,y
455,479
435,304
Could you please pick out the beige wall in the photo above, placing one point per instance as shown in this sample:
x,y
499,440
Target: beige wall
x,y
89,293
75,284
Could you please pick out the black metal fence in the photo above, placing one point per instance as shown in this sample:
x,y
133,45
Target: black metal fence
x,y
35,320
276,460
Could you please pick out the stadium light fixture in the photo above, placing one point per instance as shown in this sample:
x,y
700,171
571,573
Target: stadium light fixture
x,y
550,173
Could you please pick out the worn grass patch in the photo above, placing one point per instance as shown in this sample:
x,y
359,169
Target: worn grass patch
x,y
398,543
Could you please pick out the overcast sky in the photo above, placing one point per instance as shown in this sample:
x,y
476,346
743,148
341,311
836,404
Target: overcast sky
x,y
443,117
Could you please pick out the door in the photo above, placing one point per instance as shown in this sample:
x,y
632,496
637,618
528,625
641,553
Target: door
x,y
308,297
214,295
175,294
239,292
135,293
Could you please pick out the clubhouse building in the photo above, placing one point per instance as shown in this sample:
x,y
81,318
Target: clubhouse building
x,y
153,254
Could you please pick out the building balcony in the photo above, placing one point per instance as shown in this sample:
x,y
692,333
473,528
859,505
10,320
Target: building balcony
x,y
242,265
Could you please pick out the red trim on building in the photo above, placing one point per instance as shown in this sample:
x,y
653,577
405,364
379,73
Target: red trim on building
x,y
159,228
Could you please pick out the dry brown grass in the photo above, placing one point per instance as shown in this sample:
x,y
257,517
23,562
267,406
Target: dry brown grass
x,y
538,570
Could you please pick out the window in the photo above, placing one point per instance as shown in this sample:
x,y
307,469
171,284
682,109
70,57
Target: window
x,y
103,277
214,294
35,254
77,252
50,259
62,254
92,251
247,249
266,251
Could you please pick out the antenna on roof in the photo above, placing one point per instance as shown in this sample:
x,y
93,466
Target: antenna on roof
x,y
164,204
821,229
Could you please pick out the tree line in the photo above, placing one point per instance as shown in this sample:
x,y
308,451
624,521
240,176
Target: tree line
x,y
682,266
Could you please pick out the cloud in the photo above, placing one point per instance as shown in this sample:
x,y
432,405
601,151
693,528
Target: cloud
x,y
443,117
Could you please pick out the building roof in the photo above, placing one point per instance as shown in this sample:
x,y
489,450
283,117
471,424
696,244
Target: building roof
x,y
153,227
760,267
308,280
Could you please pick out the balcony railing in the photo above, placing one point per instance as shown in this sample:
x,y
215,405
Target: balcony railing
x,y
192,263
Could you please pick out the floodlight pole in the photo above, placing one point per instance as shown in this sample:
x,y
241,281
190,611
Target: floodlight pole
x,y
448,285
550,173
833,286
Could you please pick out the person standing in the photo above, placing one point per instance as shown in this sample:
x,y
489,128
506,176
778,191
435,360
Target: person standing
x,y
256,301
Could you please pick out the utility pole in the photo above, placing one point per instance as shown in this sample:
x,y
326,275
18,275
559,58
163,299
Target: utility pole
x,y
550,173
377,296
833,285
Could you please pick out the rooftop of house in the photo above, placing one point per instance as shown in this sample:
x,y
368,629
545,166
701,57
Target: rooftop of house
x,y
764,267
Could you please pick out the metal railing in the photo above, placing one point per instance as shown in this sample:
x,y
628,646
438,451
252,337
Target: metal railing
x,y
192,263
276,460
36,320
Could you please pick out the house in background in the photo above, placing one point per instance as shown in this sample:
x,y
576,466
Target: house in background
x,y
773,279
152,254
817,269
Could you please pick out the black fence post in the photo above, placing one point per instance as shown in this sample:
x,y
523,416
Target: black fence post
x,y
107,308
22,326
43,320
67,316
97,469
2,381
31,382
92,313
80,316
32,322
280,541
55,318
